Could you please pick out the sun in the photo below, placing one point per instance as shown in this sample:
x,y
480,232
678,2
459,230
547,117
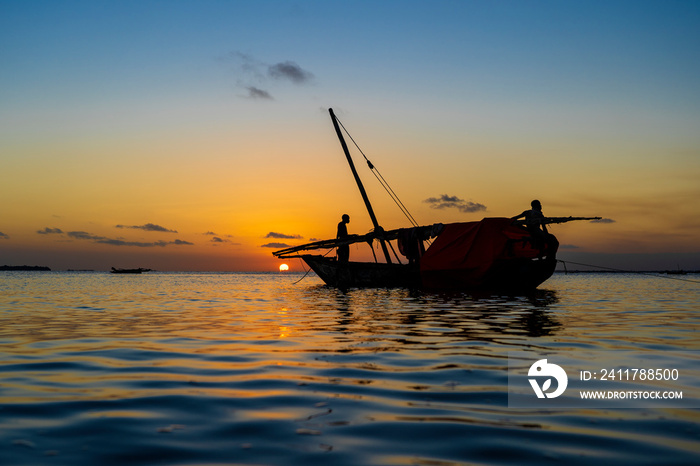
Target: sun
x,y
284,268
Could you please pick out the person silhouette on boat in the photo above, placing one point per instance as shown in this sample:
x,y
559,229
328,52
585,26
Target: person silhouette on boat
x,y
534,219
343,251
536,224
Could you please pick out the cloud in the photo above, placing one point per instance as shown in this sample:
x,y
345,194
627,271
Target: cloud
x,y
148,227
84,235
255,93
50,231
119,242
275,245
453,202
603,220
291,71
220,240
3,235
568,246
138,244
180,242
272,234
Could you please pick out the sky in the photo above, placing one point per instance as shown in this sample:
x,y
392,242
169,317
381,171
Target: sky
x,y
195,135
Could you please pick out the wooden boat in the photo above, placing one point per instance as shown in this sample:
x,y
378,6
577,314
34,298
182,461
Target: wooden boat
x,y
491,254
139,270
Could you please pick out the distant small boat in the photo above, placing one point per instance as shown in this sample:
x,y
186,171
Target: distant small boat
x,y
139,270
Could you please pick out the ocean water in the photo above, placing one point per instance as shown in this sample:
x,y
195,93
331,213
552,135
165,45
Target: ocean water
x,y
211,369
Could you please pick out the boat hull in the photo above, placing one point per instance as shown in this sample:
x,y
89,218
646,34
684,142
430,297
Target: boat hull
x,y
520,275
362,274
514,275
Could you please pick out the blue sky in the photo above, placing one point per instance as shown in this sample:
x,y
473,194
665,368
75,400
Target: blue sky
x,y
611,49
213,114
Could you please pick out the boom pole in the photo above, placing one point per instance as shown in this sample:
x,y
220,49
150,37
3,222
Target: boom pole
x,y
550,220
359,185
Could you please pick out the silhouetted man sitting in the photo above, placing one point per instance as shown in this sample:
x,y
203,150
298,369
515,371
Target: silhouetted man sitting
x,y
534,219
535,223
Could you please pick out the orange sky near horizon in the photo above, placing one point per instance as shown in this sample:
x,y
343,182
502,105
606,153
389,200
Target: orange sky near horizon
x,y
193,143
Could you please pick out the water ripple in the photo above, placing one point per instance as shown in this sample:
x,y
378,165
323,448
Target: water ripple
x,y
193,369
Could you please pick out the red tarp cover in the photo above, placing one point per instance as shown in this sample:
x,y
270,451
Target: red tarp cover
x,y
470,249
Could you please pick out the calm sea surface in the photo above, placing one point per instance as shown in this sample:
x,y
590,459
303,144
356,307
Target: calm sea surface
x,y
197,369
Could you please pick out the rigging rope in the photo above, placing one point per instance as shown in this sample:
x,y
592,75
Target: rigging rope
x,y
308,271
651,274
381,180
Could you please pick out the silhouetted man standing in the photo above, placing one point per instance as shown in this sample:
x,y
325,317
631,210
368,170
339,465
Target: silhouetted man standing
x,y
343,251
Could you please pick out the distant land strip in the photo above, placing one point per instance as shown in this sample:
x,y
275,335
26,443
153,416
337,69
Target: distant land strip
x,y
27,268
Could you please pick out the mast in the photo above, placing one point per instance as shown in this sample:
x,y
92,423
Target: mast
x,y
377,228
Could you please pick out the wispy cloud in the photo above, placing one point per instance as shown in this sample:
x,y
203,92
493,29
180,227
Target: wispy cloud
x,y
218,239
603,220
256,76
453,202
255,93
50,231
148,227
275,245
85,236
274,235
3,235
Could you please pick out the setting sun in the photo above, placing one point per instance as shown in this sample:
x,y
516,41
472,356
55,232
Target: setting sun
x,y
284,268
